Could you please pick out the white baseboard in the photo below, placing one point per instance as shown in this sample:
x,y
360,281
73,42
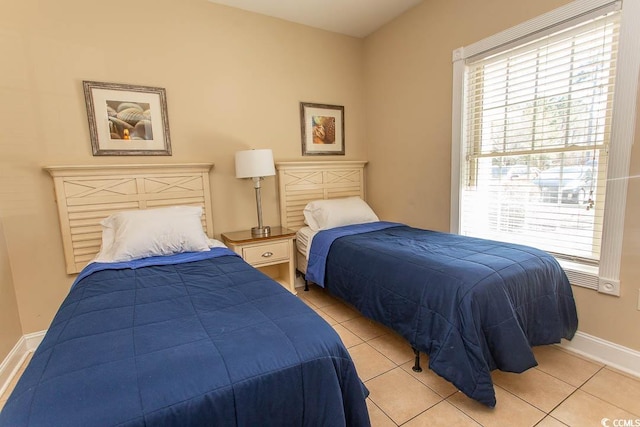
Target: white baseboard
x,y
611,354
34,339
12,363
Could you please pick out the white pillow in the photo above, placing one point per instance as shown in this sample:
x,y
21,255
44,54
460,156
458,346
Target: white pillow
x,y
138,234
324,214
214,243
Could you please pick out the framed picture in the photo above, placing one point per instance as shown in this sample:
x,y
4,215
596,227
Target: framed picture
x,y
322,129
127,120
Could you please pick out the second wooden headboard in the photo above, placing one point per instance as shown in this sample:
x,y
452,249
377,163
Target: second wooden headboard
x,y
302,182
87,194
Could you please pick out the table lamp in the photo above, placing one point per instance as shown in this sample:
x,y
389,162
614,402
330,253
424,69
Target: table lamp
x,y
256,164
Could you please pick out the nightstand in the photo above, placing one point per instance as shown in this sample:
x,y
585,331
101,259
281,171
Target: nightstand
x,y
274,254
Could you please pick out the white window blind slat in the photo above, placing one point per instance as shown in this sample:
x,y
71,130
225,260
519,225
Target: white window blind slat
x,y
537,129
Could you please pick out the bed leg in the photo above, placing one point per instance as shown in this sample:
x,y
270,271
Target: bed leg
x,y
416,367
304,276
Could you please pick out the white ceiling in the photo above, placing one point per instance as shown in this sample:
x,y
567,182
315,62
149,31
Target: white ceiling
x,y
357,18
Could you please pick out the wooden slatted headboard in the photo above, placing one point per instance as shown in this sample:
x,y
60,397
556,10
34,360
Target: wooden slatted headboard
x,y
302,182
87,194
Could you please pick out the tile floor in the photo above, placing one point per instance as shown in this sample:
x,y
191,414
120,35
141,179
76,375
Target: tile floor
x,y
563,390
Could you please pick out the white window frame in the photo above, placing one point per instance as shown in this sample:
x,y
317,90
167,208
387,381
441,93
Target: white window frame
x,y
605,277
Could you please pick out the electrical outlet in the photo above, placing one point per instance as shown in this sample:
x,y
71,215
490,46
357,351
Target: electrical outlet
x,y
608,286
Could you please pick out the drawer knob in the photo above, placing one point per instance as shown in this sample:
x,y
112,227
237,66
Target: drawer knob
x,y
267,254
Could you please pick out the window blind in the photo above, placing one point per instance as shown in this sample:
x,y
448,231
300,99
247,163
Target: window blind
x,y
537,125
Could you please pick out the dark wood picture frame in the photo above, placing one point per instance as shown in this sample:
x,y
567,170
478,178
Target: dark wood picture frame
x,y
127,120
322,128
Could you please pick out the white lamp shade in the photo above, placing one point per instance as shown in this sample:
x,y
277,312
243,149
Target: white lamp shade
x,y
254,163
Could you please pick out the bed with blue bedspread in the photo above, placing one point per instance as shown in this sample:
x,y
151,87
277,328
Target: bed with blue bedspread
x,y
190,339
472,305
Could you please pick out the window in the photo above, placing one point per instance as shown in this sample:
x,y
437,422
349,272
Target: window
x,y
536,140
537,135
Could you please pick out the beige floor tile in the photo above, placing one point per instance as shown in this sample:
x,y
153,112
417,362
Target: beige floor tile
x,y
540,389
348,338
400,396
617,389
394,347
562,365
429,378
369,362
377,417
330,320
318,296
27,360
306,300
583,409
510,411
4,396
11,386
341,312
14,380
549,421
365,328
443,414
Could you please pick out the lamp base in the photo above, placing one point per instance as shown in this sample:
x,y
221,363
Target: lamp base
x,y
261,231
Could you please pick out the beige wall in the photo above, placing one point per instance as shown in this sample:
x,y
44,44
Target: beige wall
x,y
10,330
233,80
408,72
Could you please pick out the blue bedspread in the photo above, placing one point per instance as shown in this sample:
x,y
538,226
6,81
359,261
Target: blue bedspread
x,y
209,342
472,305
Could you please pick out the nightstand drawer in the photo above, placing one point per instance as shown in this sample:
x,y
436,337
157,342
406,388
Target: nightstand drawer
x,y
266,253
272,254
